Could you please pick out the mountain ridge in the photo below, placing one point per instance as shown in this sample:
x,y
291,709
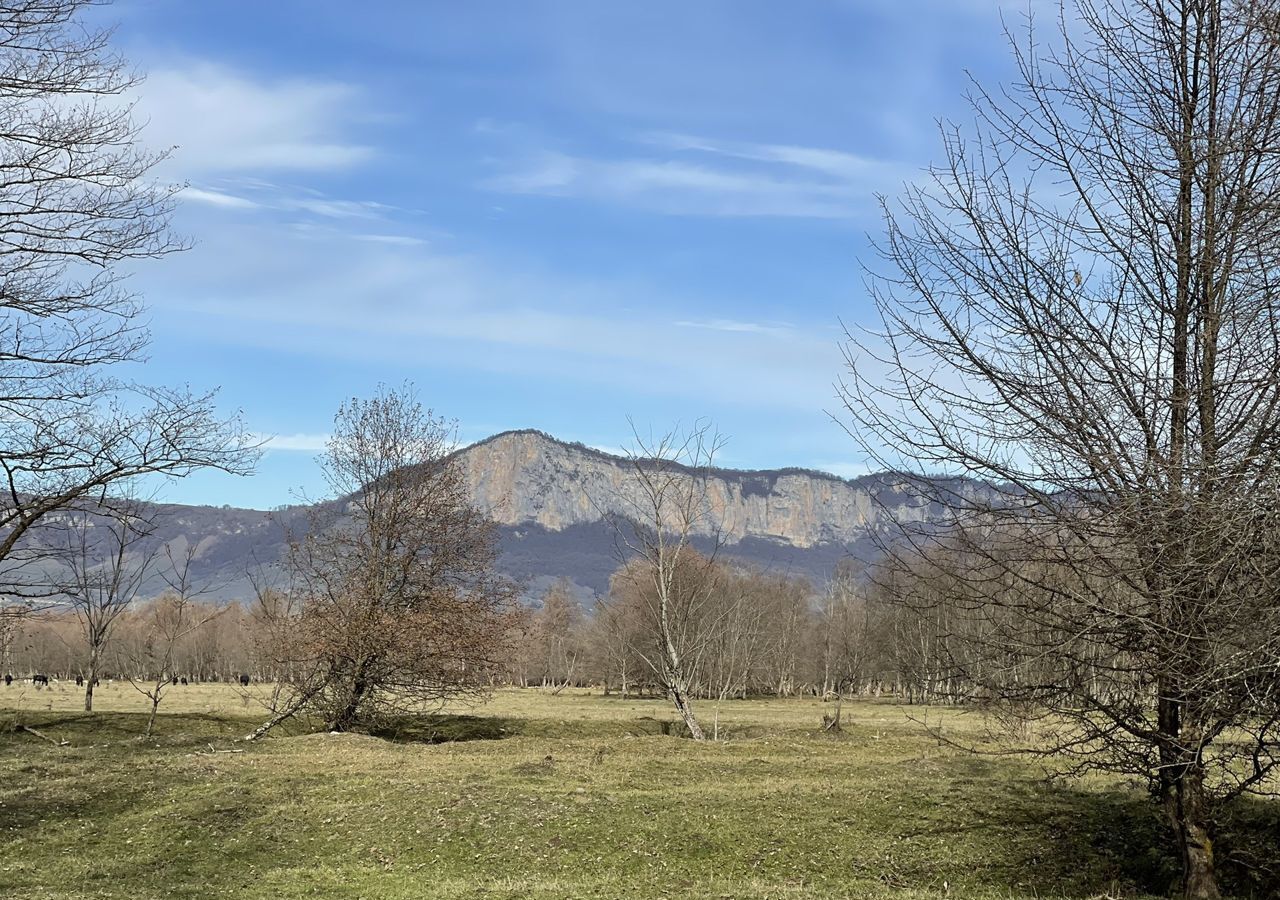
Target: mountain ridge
x,y
712,470
553,501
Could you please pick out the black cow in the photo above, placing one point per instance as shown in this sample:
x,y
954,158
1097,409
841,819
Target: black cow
x,y
182,681
38,680
244,680
79,681
8,680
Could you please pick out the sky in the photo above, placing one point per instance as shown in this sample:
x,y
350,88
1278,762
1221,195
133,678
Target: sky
x,y
569,215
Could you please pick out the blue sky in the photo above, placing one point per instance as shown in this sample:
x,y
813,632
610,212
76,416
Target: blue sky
x,y
554,214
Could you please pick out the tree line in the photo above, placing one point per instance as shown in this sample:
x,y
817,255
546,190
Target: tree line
x,y
217,644
757,635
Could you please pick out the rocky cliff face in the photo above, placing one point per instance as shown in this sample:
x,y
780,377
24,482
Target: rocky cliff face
x,y
551,499
528,478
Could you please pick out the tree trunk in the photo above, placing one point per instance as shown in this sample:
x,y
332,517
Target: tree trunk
x,y
680,697
1185,805
93,676
155,706
350,713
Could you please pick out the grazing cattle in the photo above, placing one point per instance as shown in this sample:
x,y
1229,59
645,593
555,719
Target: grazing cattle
x,y
79,681
8,680
182,681
38,680
244,680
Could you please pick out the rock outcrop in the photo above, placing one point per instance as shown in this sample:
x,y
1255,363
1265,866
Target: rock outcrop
x,y
529,478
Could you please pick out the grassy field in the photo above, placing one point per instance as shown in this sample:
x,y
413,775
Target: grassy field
x,y
542,796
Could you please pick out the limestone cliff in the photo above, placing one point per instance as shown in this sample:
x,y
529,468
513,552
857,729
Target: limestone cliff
x,y
529,478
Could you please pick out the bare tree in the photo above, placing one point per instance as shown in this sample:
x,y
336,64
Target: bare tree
x,y
79,199
170,619
843,624
557,637
106,563
1079,307
615,631
663,509
392,602
745,619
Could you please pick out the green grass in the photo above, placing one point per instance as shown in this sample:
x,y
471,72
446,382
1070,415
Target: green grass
x,y
545,796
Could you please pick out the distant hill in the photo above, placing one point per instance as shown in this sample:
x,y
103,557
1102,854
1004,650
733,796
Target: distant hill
x,y
551,498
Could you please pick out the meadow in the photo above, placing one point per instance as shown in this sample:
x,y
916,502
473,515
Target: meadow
x,y
553,796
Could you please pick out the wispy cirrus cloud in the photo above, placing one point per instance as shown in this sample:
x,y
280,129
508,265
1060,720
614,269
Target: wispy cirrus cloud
x,y
689,175
242,142
395,240
732,325
251,195
480,314
838,164
219,199
219,120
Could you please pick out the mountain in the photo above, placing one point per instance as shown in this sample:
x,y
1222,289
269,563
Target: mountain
x,y
525,478
553,500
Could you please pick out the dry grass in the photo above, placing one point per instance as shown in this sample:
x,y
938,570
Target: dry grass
x,y
534,795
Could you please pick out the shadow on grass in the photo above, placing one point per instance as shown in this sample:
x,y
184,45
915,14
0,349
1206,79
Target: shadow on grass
x,y
447,729
1077,843
80,728
1249,848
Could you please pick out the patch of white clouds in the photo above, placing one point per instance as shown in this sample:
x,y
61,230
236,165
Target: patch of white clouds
x,y
239,141
690,175
257,195
318,293
732,325
219,199
395,240
220,120
835,163
330,277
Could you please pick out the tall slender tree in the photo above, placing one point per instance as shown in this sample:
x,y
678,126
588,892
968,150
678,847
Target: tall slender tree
x,y
106,559
663,510
1081,306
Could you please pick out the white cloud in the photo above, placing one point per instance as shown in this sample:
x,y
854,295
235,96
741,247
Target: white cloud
x,y
264,196
835,163
731,325
698,176
335,209
218,198
321,294
220,121
397,240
